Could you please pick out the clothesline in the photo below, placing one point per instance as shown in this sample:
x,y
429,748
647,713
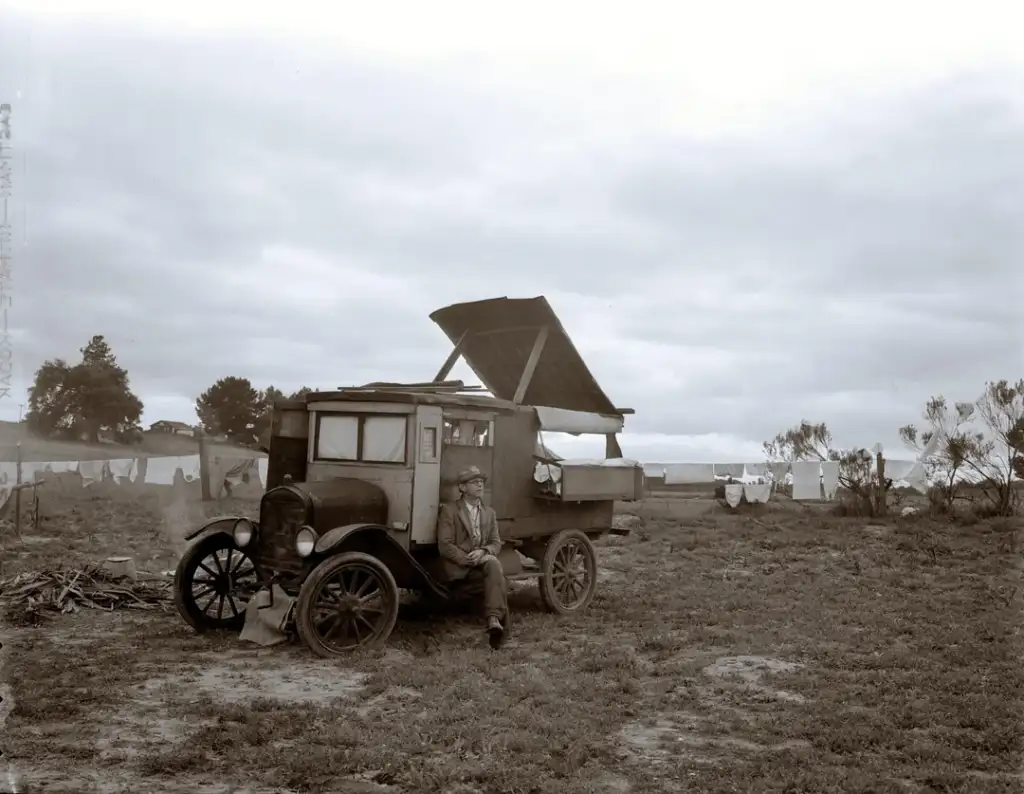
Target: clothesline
x,y
752,473
157,470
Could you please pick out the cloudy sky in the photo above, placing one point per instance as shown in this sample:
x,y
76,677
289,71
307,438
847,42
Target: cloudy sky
x,y
744,216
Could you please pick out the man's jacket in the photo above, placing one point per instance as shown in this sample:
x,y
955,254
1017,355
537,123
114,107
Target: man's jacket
x,y
454,540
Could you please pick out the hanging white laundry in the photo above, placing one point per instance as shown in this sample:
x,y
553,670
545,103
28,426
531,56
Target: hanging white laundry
x,y
734,470
897,470
123,469
8,474
218,469
778,471
60,466
689,473
917,478
161,471
806,480
261,468
733,494
830,479
242,471
653,470
190,467
30,470
756,493
91,471
754,470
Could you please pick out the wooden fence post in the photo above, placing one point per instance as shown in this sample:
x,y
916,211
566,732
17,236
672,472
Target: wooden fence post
x,y
17,491
881,501
204,467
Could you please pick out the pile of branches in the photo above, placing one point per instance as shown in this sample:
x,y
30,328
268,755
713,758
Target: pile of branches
x,y
32,597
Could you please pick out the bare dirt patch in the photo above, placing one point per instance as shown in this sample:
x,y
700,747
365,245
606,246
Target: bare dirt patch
x,y
245,681
750,672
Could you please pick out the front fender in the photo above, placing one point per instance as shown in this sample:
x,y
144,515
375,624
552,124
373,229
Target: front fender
x,y
334,537
220,525
375,539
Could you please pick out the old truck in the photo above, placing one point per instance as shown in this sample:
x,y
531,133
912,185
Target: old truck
x,y
356,477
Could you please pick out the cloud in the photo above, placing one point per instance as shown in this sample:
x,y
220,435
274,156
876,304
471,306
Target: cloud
x,y
225,206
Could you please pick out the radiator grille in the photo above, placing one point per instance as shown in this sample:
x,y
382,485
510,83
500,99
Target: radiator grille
x,y
280,520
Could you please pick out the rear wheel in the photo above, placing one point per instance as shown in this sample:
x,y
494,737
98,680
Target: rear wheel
x,y
213,583
568,572
349,601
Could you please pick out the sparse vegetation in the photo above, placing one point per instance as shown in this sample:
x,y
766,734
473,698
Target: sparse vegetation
x,y
788,651
971,452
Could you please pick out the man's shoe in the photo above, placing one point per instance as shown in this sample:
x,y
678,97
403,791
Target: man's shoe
x,y
496,631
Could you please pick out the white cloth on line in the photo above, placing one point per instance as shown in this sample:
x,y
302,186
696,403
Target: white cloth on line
x,y
807,479
190,467
243,469
91,471
31,469
755,470
689,473
60,466
756,493
734,470
123,469
733,494
896,470
161,471
917,478
830,478
261,467
8,474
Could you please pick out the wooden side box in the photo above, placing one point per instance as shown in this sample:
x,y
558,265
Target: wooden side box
x,y
591,482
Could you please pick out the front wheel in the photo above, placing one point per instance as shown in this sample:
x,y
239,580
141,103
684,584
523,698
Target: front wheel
x,y
349,601
213,583
568,572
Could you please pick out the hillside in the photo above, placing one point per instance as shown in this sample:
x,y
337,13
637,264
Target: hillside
x,y
153,445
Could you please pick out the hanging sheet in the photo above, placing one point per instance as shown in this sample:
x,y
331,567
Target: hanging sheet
x,y
806,480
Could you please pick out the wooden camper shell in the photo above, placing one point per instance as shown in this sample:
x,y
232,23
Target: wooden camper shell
x,y
536,380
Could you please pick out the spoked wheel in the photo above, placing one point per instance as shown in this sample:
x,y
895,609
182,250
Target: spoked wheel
x,y
213,583
568,572
349,601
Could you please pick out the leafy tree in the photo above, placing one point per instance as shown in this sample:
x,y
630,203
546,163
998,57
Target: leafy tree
x,y
298,395
85,399
265,412
231,407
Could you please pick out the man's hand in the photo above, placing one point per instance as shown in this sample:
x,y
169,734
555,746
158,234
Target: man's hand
x,y
476,556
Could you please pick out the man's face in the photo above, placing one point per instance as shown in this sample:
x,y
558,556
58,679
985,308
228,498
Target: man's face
x,y
474,489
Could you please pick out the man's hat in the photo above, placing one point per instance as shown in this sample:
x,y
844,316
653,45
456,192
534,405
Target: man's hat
x,y
472,473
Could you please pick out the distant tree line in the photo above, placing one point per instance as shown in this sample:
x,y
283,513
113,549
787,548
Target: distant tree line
x,y
233,408
92,399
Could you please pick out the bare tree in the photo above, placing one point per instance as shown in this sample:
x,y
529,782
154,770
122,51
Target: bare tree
x,y
953,446
1001,410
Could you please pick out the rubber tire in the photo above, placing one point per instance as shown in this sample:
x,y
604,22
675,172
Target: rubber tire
x,y
548,596
304,606
187,566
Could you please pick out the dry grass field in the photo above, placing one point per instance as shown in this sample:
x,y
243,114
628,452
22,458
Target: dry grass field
x,y
768,651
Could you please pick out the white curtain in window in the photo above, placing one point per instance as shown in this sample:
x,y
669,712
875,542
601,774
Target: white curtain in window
x,y
384,439
339,438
